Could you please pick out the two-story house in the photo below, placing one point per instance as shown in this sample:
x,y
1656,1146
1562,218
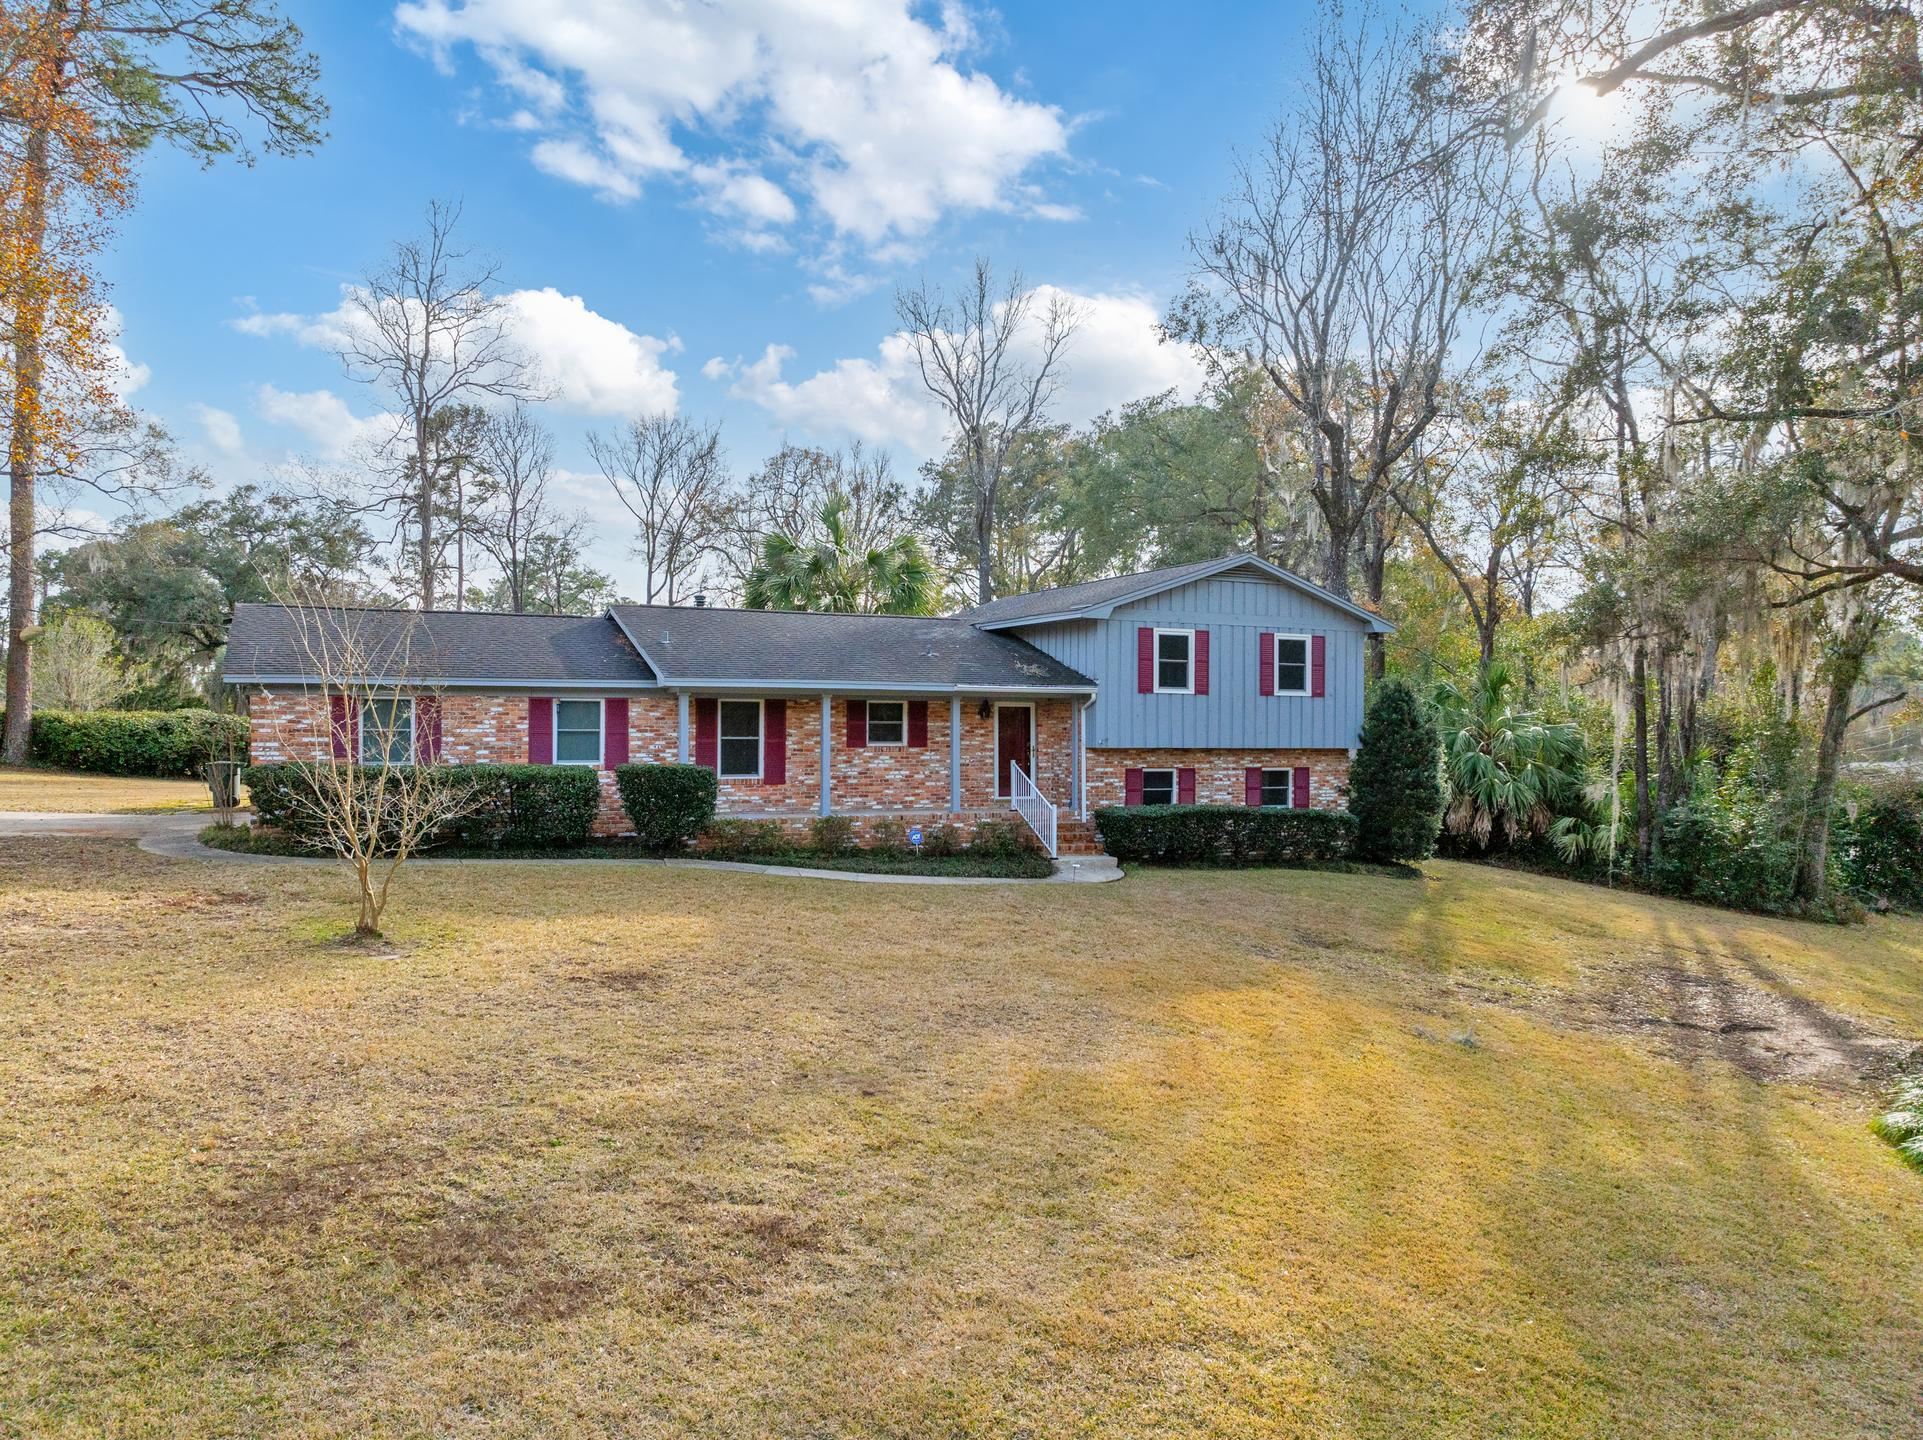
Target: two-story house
x,y
1228,681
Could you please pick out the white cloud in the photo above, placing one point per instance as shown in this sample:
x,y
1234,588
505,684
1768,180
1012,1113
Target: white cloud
x,y
1116,356
221,428
123,375
879,400
324,420
865,104
591,364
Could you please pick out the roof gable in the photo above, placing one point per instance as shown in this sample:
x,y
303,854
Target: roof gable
x,y
1098,599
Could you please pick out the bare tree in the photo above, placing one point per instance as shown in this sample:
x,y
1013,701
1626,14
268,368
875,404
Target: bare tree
x,y
428,329
516,459
1341,265
668,471
371,798
973,360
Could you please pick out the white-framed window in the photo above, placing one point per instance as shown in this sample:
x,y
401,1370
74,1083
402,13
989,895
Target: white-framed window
x,y
1278,789
1291,664
1175,662
1158,787
739,747
387,731
577,732
887,722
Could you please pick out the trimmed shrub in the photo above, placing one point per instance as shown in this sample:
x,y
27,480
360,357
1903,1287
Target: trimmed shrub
x,y
668,805
888,836
1225,835
1002,839
832,834
743,837
1881,850
1395,784
526,807
516,807
136,742
941,840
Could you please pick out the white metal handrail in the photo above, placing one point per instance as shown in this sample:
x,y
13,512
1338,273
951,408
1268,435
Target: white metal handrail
x,y
1033,806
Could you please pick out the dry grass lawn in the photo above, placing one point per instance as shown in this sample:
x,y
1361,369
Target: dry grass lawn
x,y
33,787
615,1151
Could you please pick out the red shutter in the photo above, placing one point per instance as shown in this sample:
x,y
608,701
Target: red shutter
x,y
337,725
1318,665
707,733
427,729
1144,660
1185,786
1132,786
1201,662
857,724
774,742
1300,799
1265,664
540,730
614,732
917,724
1252,785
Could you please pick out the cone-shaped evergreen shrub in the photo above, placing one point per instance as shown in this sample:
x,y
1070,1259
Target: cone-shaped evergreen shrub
x,y
1395,784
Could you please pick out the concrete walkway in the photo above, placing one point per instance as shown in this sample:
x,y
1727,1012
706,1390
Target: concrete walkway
x,y
178,838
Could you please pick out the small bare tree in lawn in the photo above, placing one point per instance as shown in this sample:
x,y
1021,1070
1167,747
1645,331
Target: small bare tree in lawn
x,y
374,798
977,358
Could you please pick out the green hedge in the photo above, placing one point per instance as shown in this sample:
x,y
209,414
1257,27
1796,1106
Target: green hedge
x,y
1225,835
135,742
1881,847
668,805
517,807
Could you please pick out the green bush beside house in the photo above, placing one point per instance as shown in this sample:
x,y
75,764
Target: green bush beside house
x,y
1395,784
158,743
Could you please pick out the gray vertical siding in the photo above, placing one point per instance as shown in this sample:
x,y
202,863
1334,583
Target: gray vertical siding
x,y
1235,610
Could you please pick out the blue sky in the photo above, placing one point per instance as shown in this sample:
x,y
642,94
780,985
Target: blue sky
x,y
671,191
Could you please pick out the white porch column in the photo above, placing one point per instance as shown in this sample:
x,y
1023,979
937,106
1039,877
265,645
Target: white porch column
x,y
681,735
954,754
827,751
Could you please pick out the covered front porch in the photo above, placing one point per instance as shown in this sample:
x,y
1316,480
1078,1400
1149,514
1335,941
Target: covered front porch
x,y
917,755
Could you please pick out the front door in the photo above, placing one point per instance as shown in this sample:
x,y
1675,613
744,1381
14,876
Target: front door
x,y
1014,743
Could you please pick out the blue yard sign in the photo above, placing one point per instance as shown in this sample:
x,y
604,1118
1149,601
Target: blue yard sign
x,y
914,836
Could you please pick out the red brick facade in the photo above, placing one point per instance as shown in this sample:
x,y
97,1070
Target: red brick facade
x,y
867,782
1220,775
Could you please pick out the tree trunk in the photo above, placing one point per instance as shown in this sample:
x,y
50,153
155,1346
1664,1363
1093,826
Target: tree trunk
x,y
426,475
23,454
984,539
1639,759
1845,671
1667,770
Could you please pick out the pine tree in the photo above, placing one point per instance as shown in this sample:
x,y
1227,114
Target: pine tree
x,y
1395,785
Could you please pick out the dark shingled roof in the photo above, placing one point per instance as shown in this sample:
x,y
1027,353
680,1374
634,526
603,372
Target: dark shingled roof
x,y
837,650
1087,594
1097,597
457,647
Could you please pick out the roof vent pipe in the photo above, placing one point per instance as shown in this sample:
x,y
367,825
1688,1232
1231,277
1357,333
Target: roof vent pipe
x,y
700,600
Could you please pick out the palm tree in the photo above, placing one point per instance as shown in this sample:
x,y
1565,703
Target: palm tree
x,y
795,573
1510,774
